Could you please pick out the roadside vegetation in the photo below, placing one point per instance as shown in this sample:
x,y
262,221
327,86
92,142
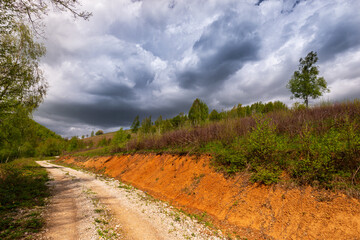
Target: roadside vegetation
x,y
23,194
318,145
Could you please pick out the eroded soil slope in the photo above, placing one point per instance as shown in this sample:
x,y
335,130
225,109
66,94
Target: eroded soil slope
x,y
252,210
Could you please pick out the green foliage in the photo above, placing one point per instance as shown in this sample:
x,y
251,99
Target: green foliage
x,y
214,116
265,176
99,132
305,82
198,112
299,106
73,144
22,185
21,80
20,136
316,155
50,147
135,125
146,125
263,145
104,142
120,139
226,158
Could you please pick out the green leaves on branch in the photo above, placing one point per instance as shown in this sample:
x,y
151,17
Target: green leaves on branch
x,y
305,82
120,139
21,80
198,112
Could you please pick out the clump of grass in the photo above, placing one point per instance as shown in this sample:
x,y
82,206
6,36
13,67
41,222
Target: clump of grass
x,y
22,192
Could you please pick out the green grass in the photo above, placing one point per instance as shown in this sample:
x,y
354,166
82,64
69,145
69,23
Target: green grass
x,y
22,194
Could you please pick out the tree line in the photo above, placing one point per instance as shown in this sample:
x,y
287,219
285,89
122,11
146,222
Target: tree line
x,y
199,114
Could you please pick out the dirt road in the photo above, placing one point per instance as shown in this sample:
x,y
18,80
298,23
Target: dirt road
x,y
85,206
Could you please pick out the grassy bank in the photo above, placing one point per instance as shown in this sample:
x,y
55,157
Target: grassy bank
x,y
319,146
23,193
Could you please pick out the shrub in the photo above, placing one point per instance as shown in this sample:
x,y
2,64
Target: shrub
x,y
315,161
265,176
120,139
100,132
263,146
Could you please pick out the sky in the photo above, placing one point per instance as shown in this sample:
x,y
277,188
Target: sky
x,y
155,57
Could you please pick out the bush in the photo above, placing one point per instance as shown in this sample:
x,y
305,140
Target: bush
x,y
263,146
226,158
315,161
51,147
100,132
120,139
265,176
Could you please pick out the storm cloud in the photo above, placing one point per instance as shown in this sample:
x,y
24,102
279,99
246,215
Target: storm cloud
x,y
155,57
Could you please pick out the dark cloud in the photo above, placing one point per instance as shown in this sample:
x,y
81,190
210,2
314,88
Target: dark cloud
x,y
343,36
223,48
155,57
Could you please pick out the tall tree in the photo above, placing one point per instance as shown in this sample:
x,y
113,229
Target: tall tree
x,y
146,125
22,85
214,116
135,125
21,80
305,82
198,112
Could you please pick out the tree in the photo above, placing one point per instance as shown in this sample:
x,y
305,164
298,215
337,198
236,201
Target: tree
x,y
158,124
146,125
92,134
198,112
305,82
22,85
21,80
135,125
214,116
120,139
100,132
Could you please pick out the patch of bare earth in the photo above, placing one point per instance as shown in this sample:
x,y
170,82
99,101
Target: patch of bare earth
x,y
85,206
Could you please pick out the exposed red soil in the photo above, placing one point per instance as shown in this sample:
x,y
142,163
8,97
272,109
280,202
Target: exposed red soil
x,y
254,211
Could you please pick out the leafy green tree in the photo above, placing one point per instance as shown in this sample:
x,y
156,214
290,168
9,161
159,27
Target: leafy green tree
x,y
159,124
21,80
135,125
305,82
22,85
120,139
146,125
99,132
198,112
73,144
257,107
278,106
214,116
50,147
92,134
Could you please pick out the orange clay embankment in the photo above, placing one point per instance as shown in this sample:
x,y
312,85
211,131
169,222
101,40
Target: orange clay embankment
x,y
253,211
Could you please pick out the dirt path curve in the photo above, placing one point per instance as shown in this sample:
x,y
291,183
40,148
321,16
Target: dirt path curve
x,y
70,213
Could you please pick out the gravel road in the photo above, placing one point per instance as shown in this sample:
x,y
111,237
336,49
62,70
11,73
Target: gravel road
x,y
88,206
